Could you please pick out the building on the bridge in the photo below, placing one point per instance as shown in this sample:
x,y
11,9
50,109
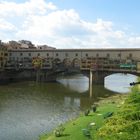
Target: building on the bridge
x,y
82,58
21,54
13,56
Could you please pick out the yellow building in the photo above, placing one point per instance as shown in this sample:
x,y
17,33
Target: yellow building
x,y
3,55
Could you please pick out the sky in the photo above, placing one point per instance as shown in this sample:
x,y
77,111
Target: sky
x,y
72,23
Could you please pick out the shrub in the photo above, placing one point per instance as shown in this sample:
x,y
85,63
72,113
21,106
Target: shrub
x,y
59,131
125,125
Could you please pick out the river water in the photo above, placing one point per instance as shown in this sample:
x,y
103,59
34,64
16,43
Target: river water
x,y
28,109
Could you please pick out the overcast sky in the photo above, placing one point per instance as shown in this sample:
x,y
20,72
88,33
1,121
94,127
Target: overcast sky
x,y
72,23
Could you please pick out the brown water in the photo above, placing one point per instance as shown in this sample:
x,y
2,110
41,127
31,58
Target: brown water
x,y
28,109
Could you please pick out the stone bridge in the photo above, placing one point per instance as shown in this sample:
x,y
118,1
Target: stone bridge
x,y
101,62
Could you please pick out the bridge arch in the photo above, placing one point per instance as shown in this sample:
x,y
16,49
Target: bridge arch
x,y
99,77
56,61
67,62
76,63
106,74
119,82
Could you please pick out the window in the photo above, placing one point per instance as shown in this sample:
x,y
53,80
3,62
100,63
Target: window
x,y
13,58
86,55
29,54
119,55
47,54
38,54
97,55
76,54
66,54
21,54
56,54
130,55
6,54
108,55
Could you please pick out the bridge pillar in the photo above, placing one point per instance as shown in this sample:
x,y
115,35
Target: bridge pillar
x,y
48,76
45,76
95,77
98,77
90,83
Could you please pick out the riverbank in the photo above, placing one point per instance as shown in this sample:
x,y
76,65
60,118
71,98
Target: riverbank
x,y
88,126
125,125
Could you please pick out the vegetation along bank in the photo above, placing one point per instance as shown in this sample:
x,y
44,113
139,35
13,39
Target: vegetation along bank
x,y
114,118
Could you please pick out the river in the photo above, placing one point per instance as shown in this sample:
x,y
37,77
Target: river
x,y
28,109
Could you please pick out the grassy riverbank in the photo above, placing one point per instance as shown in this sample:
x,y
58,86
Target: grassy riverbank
x,y
77,129
123,125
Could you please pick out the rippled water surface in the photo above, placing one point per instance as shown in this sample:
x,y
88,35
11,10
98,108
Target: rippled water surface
x,y
28,109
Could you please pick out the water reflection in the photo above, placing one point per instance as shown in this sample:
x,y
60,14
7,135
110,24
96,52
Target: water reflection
x,y
88,94
28,109
116,82
77,83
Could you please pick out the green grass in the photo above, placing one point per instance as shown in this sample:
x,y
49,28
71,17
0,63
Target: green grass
x,y
73,129
125,125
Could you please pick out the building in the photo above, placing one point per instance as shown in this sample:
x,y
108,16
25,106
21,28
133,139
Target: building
x,y
21,54
13,45
3,55
45,47
83,58
25,44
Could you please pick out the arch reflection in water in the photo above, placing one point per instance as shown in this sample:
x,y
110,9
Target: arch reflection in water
x,y
119,83
71,103
78,83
